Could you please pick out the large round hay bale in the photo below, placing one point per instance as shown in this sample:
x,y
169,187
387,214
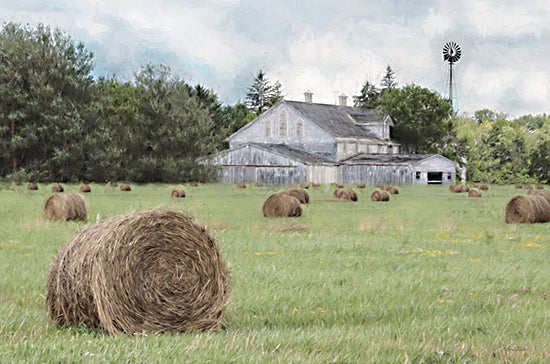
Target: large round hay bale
x,y
282,205
300,194
125,187
151,271
57,188
528,209
380,195
32,186
464,188
338,192
178,192
454,188
65,207
484,187
85,188
345,195
474,192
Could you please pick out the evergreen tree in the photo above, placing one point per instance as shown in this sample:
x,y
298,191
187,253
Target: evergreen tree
x,y
261,95
369,97
388,81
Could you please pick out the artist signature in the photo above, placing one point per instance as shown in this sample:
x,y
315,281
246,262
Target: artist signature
x,y
517,348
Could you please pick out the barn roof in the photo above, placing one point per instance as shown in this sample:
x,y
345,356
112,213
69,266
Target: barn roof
x,y
389,159
340,121
293,153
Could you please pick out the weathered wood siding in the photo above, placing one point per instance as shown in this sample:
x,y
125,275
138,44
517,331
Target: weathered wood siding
x,y
251,164
321,174
313,139
348,147
434,164
373,174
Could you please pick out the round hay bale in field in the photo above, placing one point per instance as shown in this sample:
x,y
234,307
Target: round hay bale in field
x,y
539,187
474,192
125,187
259,184
113,184
380,195
345,195
484,187
85,188
393,191
315,185
361,185
240,185
32,186
282,205
300,194
454,188
193,184
338,192
528,209
178,192
464,188
57,188
65,207
304,185
151,271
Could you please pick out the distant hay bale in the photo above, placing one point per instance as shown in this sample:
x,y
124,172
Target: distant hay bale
x,y
539,187
65,207
338,192
178,192
300,194
454,188
484,187
57,188
113,184
393,191
518,185
125,187
464,188
151,271
360,185
282,205
304,185
528,209
32,186
380,195
315,185
259,184
240,185
345,195
474,192
85,188
193,184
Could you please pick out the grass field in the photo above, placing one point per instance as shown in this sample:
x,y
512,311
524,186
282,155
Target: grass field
x,y
429,276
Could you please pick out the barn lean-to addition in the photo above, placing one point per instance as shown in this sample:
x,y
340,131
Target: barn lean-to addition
x,y
301,142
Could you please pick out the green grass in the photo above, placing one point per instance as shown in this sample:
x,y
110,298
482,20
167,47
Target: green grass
x,y
429,276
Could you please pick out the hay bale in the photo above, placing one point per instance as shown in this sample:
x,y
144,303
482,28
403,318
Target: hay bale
x,y
259,184
282,205
464,188
484,187
240,185
345,195
151,271
178,192
57,188
32,186
539,187
338,192
393,191
528,209
85,188
113,184
315,185
304,185
361,185
125,187
380,195
193,184
300,194
474,192
65,207
454,188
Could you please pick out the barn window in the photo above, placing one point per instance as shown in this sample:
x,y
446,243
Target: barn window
x,y
267,128
299,128
417,175
282,124
449,176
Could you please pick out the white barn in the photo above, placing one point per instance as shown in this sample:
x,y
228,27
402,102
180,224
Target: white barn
x,y
296,142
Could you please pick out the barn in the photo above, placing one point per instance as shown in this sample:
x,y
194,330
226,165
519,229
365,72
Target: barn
x,y
301,142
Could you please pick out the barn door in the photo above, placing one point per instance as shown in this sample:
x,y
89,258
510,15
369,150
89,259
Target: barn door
x,y
435,178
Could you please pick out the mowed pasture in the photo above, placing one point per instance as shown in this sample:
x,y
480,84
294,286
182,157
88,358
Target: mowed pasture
x,y
429,276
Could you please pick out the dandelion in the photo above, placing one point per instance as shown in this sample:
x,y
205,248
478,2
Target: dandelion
x,y
471,293
296,310
474,260
321,261
441,301
258,253
255,316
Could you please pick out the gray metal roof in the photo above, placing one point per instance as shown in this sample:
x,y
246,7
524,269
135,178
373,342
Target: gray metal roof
x,y
386,158
339,121
293,153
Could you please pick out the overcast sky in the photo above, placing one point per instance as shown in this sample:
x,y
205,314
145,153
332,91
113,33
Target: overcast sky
x,y
325,46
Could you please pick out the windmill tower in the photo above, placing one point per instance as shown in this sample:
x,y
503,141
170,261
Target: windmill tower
x,y
451,54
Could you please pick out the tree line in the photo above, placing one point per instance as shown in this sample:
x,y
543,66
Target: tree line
x,y
60,123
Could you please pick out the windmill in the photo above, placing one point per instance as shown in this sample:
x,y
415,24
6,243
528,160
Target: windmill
x,y
451,54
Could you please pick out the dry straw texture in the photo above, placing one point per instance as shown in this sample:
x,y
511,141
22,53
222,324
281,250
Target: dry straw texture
x,y
151,271
528,209
125,187
85,189
32,186
57,188
345,195
178,192
64,207
380,195
282,205
474,192
300,194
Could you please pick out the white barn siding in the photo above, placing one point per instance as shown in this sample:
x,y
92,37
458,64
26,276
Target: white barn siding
x,y
316,173
374,174
434,170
